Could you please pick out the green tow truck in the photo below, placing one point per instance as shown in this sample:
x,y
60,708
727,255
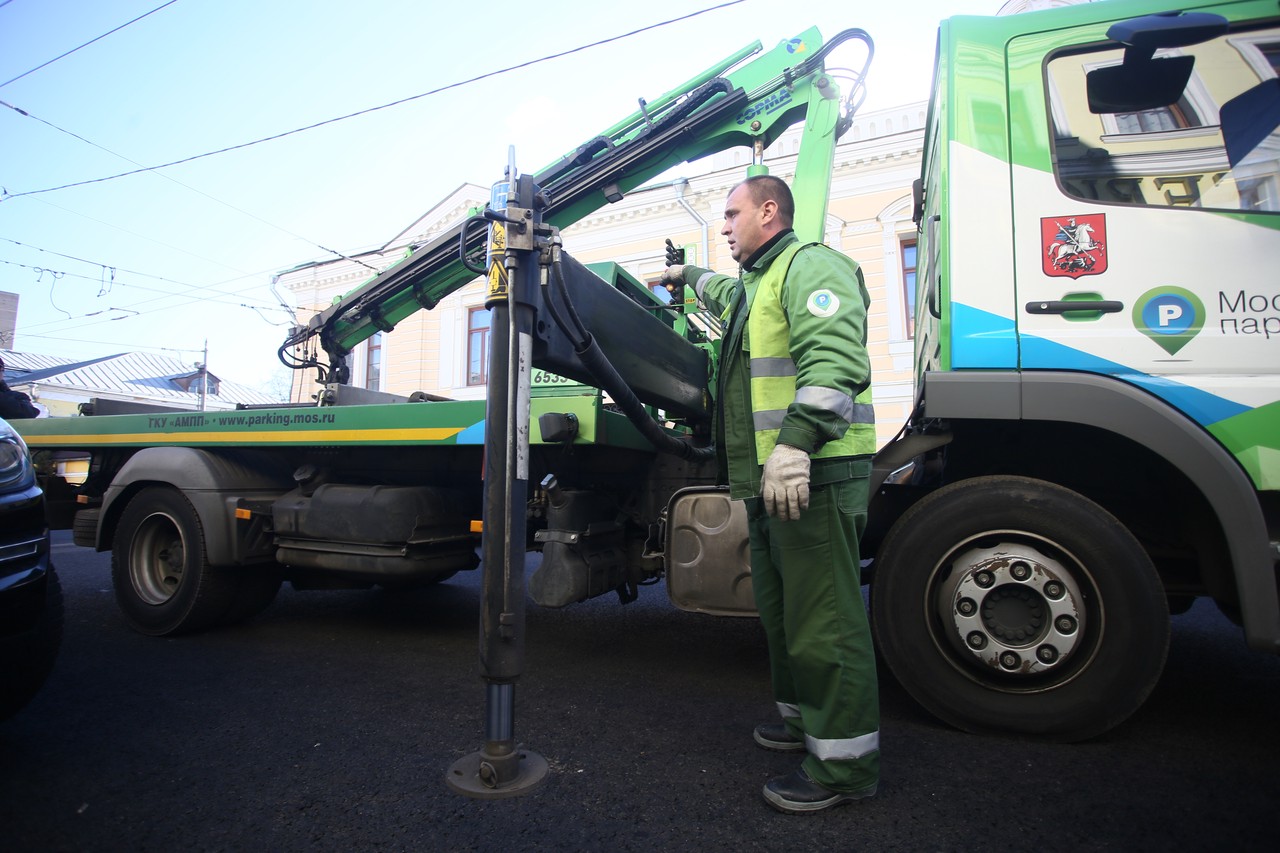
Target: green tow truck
x,y
610,476
1095,442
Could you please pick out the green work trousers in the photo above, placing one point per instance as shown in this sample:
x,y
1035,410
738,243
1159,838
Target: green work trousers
x,y
805,574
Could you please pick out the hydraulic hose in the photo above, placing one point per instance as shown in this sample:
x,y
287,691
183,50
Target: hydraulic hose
x,y
607,377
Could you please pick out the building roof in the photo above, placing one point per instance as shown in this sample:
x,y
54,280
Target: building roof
x,y
137,376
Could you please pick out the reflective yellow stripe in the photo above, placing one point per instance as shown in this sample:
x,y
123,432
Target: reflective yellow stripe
x,y
317,436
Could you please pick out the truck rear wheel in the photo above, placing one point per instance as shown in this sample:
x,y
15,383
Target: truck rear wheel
x,y
1007,604
163,581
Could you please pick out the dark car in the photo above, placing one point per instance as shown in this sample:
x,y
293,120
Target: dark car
x,y
30,595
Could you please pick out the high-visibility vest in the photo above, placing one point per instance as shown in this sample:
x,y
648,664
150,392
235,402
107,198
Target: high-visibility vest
x,y
773,375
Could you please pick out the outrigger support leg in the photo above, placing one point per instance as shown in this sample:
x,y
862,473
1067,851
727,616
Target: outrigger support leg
x,y
502,768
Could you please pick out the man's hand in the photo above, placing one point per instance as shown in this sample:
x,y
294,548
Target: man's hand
x,y
673,274
785,484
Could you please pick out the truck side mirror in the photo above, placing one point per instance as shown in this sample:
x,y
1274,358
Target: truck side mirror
x,y
1142,82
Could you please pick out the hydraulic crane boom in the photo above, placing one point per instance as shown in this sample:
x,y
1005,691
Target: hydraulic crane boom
x,y
749,107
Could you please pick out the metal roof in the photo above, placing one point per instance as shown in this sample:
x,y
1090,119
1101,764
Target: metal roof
x,y
132,375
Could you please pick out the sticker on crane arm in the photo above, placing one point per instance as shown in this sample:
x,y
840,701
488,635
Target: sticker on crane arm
x,y
823,303
497,269
1074,245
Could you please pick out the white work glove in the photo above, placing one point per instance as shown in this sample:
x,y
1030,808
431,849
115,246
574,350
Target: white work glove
x,y
785,483
673,274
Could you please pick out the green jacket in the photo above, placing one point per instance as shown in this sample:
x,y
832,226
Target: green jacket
x,y
829,351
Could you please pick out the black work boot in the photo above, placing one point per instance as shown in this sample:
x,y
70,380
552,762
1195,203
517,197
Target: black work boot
x,y
778,737
796,793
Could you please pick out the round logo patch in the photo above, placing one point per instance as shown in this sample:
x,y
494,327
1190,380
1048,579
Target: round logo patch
x,y
823,303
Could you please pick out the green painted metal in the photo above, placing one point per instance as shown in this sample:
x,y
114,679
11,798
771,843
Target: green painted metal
x,y
773,95
436,424
1251,437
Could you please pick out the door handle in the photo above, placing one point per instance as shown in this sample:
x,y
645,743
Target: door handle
x,y
1067,306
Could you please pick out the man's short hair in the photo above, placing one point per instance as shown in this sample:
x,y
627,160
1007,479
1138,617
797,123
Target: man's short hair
x,y
771,188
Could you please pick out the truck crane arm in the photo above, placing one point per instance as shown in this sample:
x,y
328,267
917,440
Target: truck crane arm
x,y
751,107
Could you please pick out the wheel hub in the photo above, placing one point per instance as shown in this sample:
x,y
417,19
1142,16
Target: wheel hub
x,y
1012,609
1013,614
158,561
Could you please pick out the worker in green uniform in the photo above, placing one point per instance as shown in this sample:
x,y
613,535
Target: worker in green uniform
x,y
796,430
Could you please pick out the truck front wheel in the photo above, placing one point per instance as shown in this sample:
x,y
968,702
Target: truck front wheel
x,y
163,581
1007,604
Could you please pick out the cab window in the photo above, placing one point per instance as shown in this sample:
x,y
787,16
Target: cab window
x,y
1214,146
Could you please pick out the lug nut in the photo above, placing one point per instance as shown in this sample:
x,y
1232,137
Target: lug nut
x,y
1053,590
1010,660
1020,571
1065,625
966,607
984,579
977,640
1047,654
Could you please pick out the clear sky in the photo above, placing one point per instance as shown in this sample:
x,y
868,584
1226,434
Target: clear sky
x,y
167,260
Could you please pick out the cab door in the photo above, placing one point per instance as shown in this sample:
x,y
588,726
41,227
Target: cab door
x,y
1146,238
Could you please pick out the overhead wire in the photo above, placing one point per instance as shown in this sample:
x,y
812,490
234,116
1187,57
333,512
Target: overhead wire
x,y
115,268
187,297
96,263
86,44
124,230
70,322
164,294
171,179
7,195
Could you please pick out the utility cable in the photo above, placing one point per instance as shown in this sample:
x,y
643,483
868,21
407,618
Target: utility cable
x,y
117,269
7,195
86,44
228,205
57,275
96,263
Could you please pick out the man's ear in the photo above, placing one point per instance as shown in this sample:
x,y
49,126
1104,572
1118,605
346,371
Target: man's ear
x,y
768,211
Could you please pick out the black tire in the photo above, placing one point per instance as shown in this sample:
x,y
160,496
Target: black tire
x,y
163,581
27,658
1011,605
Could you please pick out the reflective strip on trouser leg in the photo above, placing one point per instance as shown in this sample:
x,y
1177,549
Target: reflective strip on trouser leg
x,y
842,749
810,570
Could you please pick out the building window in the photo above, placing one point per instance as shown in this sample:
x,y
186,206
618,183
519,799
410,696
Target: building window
x,y
478,320
200,380
908,247
1175,117
373,363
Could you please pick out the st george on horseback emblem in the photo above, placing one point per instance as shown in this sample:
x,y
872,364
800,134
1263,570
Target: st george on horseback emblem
x,y
1074,245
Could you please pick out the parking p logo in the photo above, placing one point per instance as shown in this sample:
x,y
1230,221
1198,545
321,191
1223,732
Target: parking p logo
x,y
1170,316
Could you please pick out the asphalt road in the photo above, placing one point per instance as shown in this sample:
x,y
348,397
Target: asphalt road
x,y
330,721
